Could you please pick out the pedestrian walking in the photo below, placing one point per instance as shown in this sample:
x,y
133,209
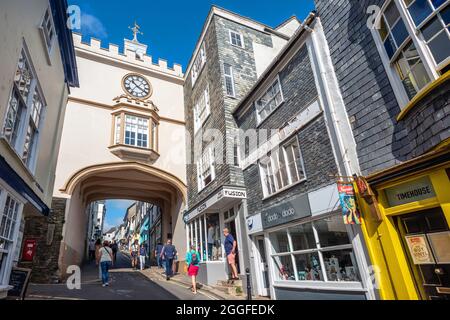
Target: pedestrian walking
x,y
193,262
105,261
114,249
230,249
168,253
142,256
158,250
134,254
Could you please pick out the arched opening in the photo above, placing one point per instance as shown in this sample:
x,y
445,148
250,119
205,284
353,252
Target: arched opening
x,y
123,180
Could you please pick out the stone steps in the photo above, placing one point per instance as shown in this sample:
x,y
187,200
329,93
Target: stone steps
x,y
231,287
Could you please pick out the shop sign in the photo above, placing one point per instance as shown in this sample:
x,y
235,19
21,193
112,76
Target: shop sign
x,y
254,224
29,250
350,211
415,190
419,249
286,212
223,193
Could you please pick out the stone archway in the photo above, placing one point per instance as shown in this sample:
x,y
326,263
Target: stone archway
x,y
116,180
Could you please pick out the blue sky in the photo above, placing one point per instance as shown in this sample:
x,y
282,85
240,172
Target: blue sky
x,y
115,211
172,27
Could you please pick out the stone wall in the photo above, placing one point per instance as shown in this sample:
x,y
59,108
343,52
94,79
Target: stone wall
x,y
45,264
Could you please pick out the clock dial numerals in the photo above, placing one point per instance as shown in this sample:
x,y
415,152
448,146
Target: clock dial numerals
x,y
137,86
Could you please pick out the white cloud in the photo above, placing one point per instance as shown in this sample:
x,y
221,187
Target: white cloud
x,y
92,26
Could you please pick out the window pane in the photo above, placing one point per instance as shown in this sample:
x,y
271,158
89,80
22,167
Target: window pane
x,y
13,118
308,267
389,46
331,231
437,3
419,11
29,143
340,265
302,237
431,28
391,14
283,268
400,33
440,47
445,14
280,241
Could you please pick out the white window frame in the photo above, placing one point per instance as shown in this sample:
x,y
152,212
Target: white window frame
x,y
124,126
257,111
318,249
273,158
19,145
415,36
198,64
229,77
202,106
241,38
6,191
49,41
209,151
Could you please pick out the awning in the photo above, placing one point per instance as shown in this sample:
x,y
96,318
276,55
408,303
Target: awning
x,y
8,175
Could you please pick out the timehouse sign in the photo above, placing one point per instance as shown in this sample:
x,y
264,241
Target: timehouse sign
x,y
416,190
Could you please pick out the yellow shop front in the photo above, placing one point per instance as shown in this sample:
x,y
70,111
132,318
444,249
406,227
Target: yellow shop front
x,y
406,218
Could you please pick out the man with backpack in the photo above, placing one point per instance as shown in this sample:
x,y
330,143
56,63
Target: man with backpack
x,y
168,254
193,262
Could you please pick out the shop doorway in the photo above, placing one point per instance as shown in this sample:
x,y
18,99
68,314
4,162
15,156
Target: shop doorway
x,y
262,266
426,238
230,223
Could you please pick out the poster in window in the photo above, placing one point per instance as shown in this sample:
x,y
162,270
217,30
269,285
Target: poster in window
x,y
419,249
440,244
350,211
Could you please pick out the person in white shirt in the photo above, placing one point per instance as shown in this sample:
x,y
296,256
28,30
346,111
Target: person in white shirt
x,y
105,258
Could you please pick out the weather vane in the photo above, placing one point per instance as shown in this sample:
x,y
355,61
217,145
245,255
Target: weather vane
x,y
136,30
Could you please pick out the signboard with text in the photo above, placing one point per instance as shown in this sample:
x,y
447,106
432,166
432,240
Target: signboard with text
x,y
287,211
419,249
416,190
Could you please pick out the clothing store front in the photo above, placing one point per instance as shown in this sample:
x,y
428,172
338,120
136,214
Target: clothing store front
x,y
303,250
204,229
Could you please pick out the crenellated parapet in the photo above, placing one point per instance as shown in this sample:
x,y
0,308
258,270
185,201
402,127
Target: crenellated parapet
x,y
128,56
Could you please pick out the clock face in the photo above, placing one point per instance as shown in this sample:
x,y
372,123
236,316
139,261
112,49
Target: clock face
x,y
137,86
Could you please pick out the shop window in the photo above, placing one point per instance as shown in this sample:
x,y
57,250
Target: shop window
x,y
204,233
285,269
308,267
25,108
416,50
316,255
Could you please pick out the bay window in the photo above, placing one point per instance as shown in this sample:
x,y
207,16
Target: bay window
x,y
319,250
24,113
281,168
269,101
201,110
414,38
136,131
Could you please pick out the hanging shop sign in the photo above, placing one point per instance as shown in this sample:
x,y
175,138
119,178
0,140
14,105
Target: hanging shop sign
x,y
366,192
350,211
287,211
419,249
416,190
254,224
29,250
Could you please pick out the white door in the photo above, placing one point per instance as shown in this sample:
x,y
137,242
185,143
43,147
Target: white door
x,y
262,266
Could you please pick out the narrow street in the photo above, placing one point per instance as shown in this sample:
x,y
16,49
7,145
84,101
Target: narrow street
x,y
125,284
